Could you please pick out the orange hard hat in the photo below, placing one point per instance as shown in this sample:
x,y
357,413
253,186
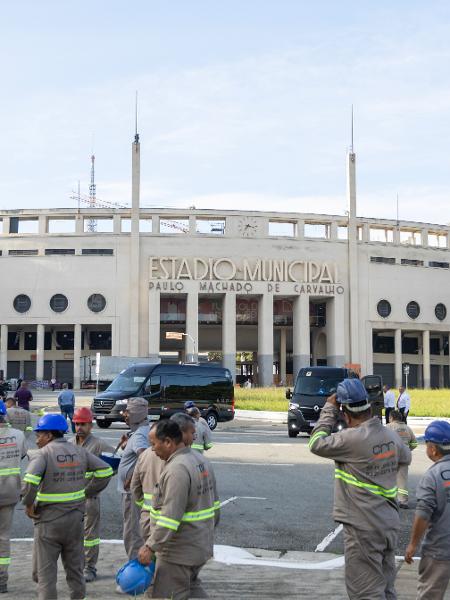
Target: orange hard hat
x,y
82,415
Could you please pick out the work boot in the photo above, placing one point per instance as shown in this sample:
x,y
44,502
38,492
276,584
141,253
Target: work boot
x,y
3,588
90,575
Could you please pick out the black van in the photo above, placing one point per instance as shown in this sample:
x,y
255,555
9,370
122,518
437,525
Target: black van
x,y
312,388
167,388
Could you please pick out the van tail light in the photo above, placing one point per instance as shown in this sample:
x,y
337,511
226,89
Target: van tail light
x,y
232,402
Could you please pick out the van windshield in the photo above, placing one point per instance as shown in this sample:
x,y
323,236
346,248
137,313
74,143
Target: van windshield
x,y
316,386
129,381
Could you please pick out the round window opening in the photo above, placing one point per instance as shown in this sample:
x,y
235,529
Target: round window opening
x,y
384,308
440,311
413,309
96,303
59,303
22,303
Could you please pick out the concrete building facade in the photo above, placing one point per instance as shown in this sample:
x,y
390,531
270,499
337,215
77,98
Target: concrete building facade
x,y
265,293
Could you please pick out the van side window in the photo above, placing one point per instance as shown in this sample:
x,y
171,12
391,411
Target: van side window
x,y
153,385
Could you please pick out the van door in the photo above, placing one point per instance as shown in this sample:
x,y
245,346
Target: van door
x,y
153,393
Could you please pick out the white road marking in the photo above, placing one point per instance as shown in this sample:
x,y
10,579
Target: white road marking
x,y
233,498
251,464
328,539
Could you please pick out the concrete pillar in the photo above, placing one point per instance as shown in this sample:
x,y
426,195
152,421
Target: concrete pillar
x,y
40,352
265,340
369,351
229,333
76,356
335,331
300,229
426,359
134,271
191,339
79,224
301,351
283,355
333,231
42,224
398,357
424,238
5,225
353,284
4,350
154,324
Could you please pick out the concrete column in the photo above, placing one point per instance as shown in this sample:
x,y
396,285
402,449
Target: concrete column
x,y
283,355
397,236
42,224
76,356
353,270
369,350
424,238
335,331
398,357
265,340
4,350
5,226
154,324
191,345
426,359
300,229
134,271
301,351
79,224
333,230
40,353
229,333
117,224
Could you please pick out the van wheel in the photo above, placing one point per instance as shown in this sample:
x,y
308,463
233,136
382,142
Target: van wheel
x,y
292,434
103,424
211,419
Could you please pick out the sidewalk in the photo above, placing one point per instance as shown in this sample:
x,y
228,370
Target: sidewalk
x,y
296,575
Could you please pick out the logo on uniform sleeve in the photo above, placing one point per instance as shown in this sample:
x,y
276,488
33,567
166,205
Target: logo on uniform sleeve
x,y
203,470
8,441
385,450
446,477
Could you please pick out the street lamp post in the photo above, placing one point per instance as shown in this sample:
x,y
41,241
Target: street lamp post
x,y
178,335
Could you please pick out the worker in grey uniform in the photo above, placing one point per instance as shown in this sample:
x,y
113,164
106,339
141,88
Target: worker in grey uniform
x,y
396,423
203,440
185,509
54,492
12,450
83,423
432,518
19,418
133,444
367,456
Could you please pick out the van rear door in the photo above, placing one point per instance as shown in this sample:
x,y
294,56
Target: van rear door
x,y
153,393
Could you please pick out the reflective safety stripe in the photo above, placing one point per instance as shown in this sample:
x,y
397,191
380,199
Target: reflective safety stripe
x,y
404,492
68,497
139,503
5,560
144,504
316,436
208,446
168,523
154,513
188,517
217,505
199,515
34,479
91,543
29,428
10,471
413,445
100,473
89,474
197,446
374,489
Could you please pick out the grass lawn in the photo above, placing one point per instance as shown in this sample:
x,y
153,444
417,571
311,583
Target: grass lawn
x,y
424,403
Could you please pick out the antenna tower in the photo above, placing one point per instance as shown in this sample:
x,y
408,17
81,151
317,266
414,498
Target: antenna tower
x,y
92,223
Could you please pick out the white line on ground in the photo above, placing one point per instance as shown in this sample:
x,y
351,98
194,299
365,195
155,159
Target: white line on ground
x,y
233,498
328,539
251,464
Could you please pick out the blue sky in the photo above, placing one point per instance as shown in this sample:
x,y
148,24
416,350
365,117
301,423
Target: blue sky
x,y
242,104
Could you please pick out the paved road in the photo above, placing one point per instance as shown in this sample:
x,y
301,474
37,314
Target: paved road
x,y
277,495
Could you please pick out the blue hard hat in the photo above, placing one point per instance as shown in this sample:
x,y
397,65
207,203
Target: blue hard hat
x,y
51,422
438,432
2,408
189,404
351,391
134,578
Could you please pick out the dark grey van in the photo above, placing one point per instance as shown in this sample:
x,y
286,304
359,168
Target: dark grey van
x,y
167,388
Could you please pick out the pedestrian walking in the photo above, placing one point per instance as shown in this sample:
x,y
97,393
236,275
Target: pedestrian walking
x,y
389,402
409,439
19,418
54,492
367,456
53,383
403,403
203,439
23,395
432,518
83,422
185,509
66,403
12,450
133,444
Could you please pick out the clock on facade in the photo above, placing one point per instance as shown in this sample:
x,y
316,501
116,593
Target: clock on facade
x,y
248,226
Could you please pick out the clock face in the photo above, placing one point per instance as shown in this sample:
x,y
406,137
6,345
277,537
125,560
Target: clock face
x,y
248,226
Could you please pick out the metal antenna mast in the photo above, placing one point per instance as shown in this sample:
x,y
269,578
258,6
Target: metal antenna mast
x,y
92,223
136,135
351,147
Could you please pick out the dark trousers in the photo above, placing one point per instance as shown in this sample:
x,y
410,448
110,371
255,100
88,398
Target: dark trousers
x,y
404,414
387,412
67,413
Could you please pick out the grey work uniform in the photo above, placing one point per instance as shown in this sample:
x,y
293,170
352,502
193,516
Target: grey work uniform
x,y
145,477
12,450
366,463
55,482
19,418
203,439
185,509
96,446
433,505
409,439
132,537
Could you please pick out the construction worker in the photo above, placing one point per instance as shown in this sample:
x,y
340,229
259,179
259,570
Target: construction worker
x,y
367,456
18,418
54,492
185,509
12,450
83,423
432,518
203,439
397,424
133,444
